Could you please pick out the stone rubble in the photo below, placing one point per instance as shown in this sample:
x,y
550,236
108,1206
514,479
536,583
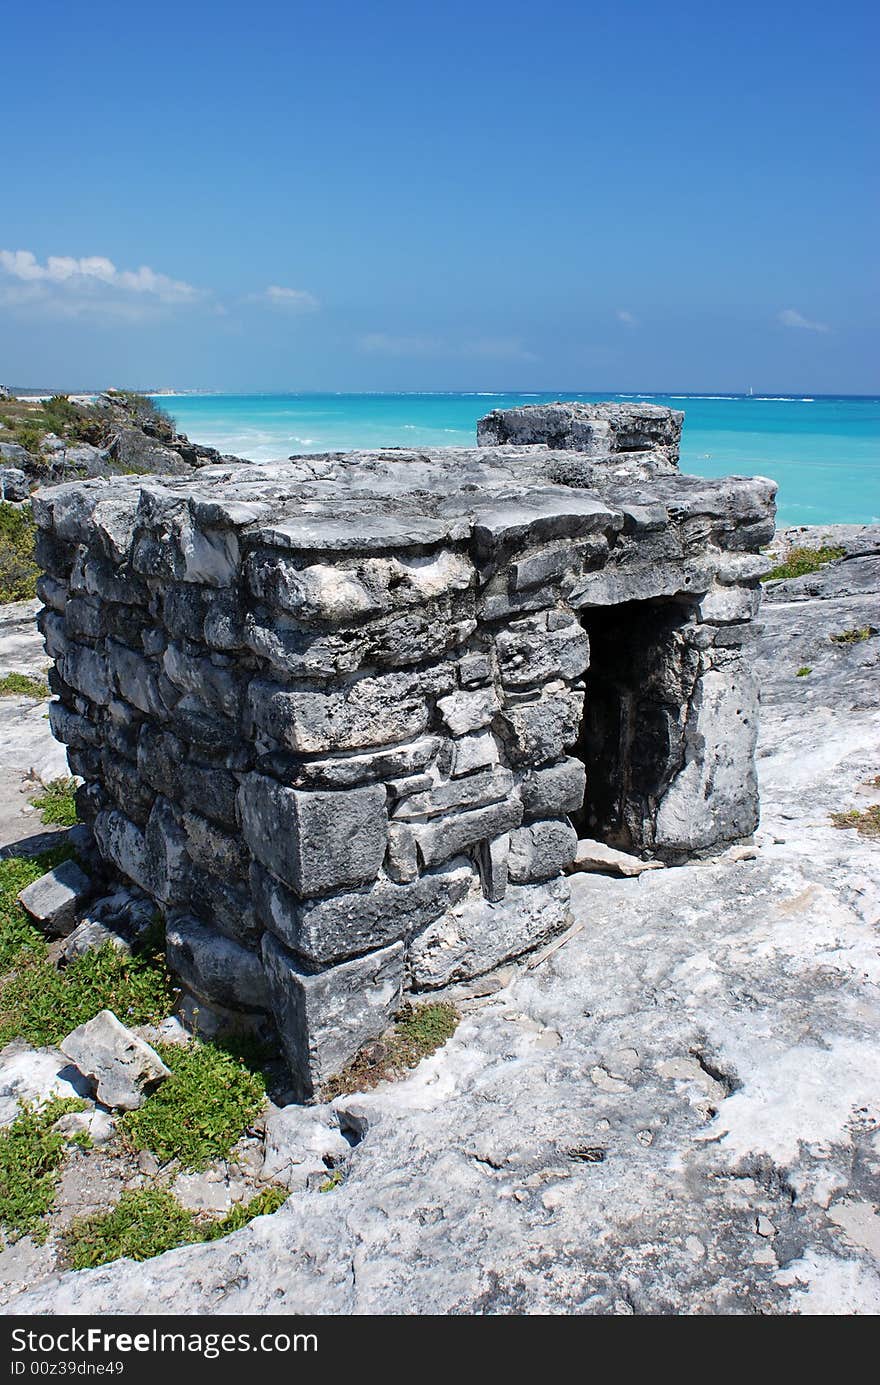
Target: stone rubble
x,y
123,1068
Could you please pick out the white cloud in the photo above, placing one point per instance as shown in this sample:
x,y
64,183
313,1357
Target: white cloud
x,y
69,285
290,300
790,317
625,316
478,348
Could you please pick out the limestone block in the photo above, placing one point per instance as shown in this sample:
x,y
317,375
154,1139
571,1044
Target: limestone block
x,y
724,605
714,798
86,670
210,679
325,930
402,857
468,711
74,730
356,714
445,837
346,771
166,857
123,1067
541,850
135,678
472,753
477,936
539,731
529,652
554,789
474,670
212,849
53,900
324,1017
315,841
475,791
215,967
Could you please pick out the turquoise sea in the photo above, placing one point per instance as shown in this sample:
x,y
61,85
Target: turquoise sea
x,y
824,451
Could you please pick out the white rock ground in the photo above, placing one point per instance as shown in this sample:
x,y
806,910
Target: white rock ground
x,y
678,1111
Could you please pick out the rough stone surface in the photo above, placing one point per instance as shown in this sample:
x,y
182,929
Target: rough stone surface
x,y
123,1068
53,900
302,1144
34,1075
674,1113
326,1016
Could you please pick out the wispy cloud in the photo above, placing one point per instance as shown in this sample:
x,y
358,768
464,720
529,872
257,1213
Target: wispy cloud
x,y
475,348
288,300
790,317
70,285
626,317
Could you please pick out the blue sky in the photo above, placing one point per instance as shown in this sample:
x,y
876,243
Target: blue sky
x,y
478,195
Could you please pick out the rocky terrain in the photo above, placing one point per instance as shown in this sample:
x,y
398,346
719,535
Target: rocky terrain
x,y
675,1108
59,439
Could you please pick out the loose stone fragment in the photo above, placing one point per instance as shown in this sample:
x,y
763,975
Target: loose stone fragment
x,y
123,1067
54,899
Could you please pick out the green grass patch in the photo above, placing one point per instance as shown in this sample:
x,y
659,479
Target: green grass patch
x,y
800,561
17,934
418,1031
57,803
147,1221
804,671
24,685
18,569
855,636
200,1111
41,1003
31,1154
866,821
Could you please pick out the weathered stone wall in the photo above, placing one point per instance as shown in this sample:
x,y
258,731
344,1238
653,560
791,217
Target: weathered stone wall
x,y
323,709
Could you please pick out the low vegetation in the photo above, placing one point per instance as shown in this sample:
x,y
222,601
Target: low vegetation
x,y
24,685
799,561
31,1154
200,1111
148,1221
804,671
57,803
866,821
18,569
855,636
418,1031
29,421
19,939
41,1003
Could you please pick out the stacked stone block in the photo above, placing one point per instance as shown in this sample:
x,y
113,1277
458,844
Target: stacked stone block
x,y
324,710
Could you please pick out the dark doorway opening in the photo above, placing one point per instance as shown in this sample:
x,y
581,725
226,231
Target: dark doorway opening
x,y
638,689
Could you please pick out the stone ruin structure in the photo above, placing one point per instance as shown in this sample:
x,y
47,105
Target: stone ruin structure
x,y
343,718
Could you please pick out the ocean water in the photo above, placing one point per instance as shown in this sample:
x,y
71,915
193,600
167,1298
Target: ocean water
x,y
824,451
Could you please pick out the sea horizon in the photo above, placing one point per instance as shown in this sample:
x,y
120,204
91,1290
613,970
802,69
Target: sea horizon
x,y
822,449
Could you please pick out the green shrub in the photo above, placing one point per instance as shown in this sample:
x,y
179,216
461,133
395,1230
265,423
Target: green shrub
x,y
31,1154
41,1003
804,671
144,1222
18,570
800,561
57,803
24,685
199,1112
148,1221
17,934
